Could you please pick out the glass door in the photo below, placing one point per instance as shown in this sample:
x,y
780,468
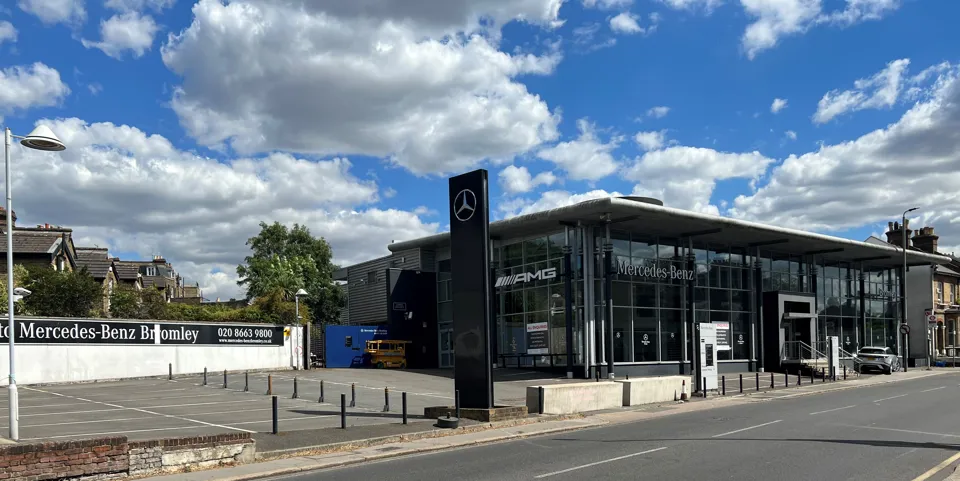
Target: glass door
x,y
446,347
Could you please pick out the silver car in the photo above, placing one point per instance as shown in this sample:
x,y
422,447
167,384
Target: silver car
x,y
881,359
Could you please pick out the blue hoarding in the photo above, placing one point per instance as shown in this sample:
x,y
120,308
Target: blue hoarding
x,y
344,344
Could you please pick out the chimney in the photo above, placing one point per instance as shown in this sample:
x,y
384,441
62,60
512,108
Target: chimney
x,y
3,218
894,234
926,240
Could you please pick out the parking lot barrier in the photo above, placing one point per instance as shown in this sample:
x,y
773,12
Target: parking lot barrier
x,y
170,372
204,376
321,391
741,384
246,381
403,401
296,393
343,411
269,384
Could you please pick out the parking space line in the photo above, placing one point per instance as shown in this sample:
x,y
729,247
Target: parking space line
x,y
118,432
171,416
266,421
746,429
87,422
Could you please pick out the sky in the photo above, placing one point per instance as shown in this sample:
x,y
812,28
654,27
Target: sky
x,y
187,123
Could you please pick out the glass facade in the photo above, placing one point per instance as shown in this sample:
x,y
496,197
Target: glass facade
x,y
650,305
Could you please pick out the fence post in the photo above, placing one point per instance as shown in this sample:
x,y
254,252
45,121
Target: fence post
x,y
539,400
296,393
403,400
276,416
224,378
457,401
771,381
786,378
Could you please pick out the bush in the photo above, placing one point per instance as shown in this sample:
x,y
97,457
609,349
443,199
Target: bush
x,y
62,294
20,278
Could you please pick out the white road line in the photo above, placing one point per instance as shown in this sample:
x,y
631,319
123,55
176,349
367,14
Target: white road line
x,y
832,410
87,422
746,429
908,431
64,412
115,407
934,389
38,406
891,397
116,432
170,416
600,462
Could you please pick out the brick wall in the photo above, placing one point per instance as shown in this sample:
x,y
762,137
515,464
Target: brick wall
x,y
102,458
116,458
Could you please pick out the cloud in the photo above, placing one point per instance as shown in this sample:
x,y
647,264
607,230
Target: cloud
x,y
778,105
70,12
128,31
650,140
878,91
867,180
791,135
658,112
626,22
517,180
27,86
706,5
7,32
421,84
587,157
607,4
584,38
550,200
135,192
139,5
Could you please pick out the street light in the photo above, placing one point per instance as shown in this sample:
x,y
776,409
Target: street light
x,y
296,298
42,138
903,280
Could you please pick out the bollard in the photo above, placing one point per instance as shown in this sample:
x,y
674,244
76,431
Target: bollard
x,y
540,400
296,393
786,379
823,375
741,384
246,381
353,395
204,376
771,380
386,399
758,380
457,401
704,385
276,416
343,411
170,372
269,384
799,377
723,385
224,378
844,372
321,391
403,402
811,376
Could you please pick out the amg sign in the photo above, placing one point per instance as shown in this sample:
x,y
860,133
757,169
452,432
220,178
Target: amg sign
x,y
656,272
542,274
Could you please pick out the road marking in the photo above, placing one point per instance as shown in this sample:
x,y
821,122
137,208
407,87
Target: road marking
x,y
170,416
747,429
87,422
891,397
936,469
116,432
925,433
282,420
38,406
832,410
600,462
934,389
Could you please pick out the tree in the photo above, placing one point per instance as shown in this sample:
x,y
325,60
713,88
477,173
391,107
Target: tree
x,y
125,303
20,278
64,294
285,260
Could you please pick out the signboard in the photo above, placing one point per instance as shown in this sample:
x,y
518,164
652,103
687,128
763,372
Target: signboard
x,y
86,331
904,329
723,336
537,338
708,358
400,306
654,272
542,274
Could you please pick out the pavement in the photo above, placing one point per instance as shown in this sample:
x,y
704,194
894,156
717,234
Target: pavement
x,y
160,408
876,428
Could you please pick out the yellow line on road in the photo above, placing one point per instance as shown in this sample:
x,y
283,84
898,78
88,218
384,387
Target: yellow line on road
x,y
936,469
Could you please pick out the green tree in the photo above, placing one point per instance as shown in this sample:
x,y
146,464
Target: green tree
x,y
125,303
62,294
284,260
153,305
20,278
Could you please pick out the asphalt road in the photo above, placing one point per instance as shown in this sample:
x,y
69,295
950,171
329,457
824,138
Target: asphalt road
x,y
895,431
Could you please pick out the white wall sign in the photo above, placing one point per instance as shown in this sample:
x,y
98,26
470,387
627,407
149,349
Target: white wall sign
x,y
654,272
708,354
542,274
723,336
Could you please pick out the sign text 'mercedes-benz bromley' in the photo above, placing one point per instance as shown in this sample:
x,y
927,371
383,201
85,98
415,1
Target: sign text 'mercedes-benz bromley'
x,y
671,272
76,331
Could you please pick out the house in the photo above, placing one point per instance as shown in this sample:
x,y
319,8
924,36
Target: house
x,y
160,274
189,294
101,267
43,245
128,273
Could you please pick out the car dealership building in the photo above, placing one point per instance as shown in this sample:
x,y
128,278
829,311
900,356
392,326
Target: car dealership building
x,y
775,294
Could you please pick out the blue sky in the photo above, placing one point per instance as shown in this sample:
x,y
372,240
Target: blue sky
x,y
191,121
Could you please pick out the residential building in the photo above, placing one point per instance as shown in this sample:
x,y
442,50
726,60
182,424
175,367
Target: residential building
x,y
128,273
160,274
44,245
100,266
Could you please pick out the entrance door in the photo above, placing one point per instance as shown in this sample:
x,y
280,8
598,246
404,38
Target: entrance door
x,y
446,348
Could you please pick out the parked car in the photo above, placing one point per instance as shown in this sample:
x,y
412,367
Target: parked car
x,y
881,359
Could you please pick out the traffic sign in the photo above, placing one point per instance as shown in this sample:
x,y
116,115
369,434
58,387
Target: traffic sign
x,y
904,329
932,319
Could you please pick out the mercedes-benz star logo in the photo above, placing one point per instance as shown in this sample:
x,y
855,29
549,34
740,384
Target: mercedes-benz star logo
x,y
464,205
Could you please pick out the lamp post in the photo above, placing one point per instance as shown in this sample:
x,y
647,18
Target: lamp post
x,y
42,138
296,298
903,281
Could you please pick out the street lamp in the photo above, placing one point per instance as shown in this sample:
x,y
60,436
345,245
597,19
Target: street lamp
x,y
903,280
296,298
42,138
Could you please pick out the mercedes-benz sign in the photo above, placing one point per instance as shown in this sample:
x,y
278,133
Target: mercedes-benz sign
x,y
464,205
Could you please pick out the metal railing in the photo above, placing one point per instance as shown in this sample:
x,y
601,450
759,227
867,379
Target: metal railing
x,y
803,352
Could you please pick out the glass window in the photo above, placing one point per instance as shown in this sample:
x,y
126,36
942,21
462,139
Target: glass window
x,y
555,243
621,244
535,250
640,250
644,335
848,335
622,340
644,295
621,294
671,297
739,334
671,330
719,300
513,255
445,312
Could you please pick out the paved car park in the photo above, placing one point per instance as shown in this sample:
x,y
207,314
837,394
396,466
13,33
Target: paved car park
x,y
159,408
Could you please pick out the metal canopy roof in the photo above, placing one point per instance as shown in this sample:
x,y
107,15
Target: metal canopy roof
x,y
641,217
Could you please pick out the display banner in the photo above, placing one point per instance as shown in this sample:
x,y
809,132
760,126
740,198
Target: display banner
x,y
89,331
537,338
723,336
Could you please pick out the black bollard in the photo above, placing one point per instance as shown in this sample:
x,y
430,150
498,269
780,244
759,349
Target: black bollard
x,y
799,377
353,395
757,386
403,401
771,380
170,372
343,411
296,394
321,391
224,378
811,376
786,379
246,381
823,375
386,399
540,400
269,384
457,401
741,384
204,376
704,385
276,416
844,372
723,385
